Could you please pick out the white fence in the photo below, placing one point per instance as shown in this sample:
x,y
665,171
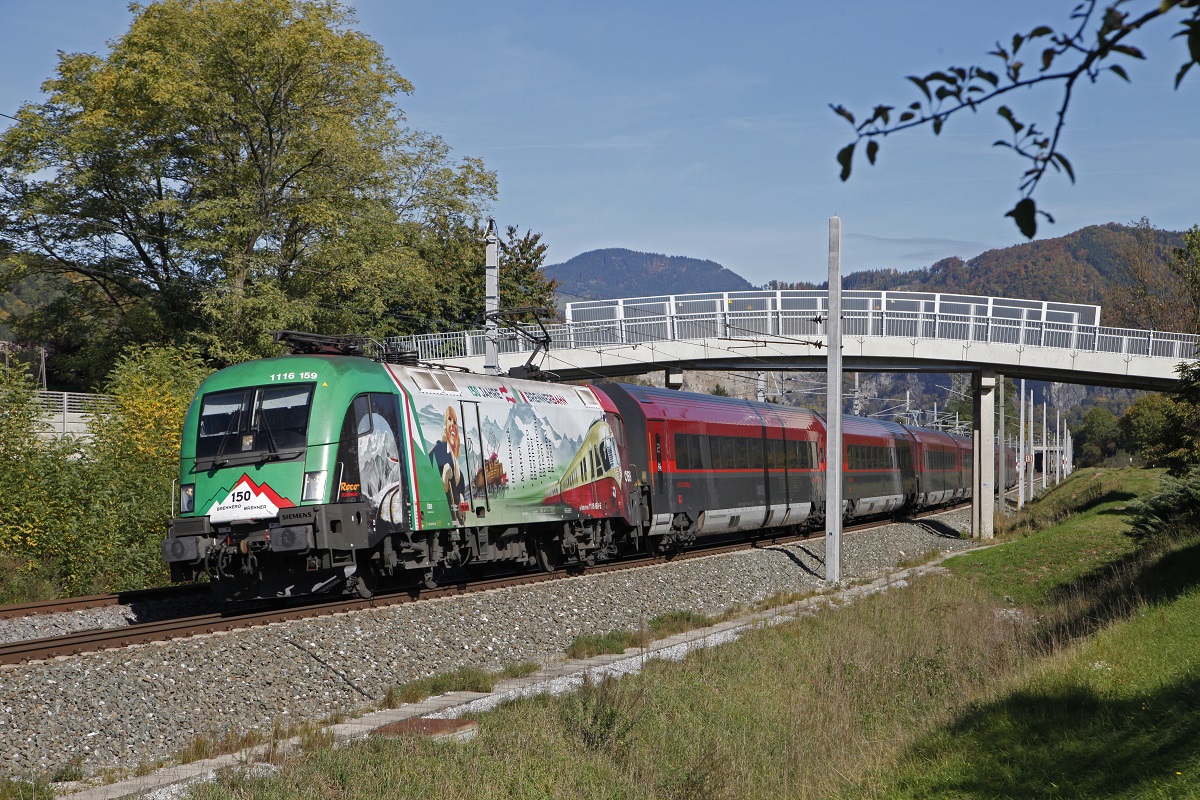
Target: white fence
x,y
69,412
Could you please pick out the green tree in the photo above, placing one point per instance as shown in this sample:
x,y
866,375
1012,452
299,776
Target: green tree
x,y
1092,46
1185,265
1097,438
1162,430
1155,293
229,167
456,255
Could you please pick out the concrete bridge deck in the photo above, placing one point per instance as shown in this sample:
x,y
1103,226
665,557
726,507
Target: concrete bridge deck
x,y
881,332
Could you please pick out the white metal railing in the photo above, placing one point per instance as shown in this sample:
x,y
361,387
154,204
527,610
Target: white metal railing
x,y
68,412
799,315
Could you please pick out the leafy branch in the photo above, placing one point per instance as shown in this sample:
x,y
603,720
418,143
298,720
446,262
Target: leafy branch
x,y
1090,47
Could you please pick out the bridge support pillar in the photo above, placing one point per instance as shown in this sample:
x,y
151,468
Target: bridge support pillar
x,y
983,473
673,378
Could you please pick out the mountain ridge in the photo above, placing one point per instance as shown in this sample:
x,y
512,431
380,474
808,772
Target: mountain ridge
x,y
1084,266
620,272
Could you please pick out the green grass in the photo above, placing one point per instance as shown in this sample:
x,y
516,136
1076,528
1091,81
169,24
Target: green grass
x,y
1065,663
1090,530
587,645
466,679
1115,717
25,790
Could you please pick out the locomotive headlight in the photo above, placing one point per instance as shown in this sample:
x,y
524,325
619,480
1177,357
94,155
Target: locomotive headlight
x,y
314,486
187,498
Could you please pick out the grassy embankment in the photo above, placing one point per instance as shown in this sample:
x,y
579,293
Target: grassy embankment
x,y
1065,663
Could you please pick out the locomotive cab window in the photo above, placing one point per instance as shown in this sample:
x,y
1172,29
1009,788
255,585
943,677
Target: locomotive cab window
x,y
255,422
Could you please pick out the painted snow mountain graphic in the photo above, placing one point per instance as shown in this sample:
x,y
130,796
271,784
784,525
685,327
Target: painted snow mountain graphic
x,y
530,440
248,500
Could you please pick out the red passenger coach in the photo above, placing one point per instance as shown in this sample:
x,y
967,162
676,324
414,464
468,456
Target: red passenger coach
x,y
938,467
877,466
716,464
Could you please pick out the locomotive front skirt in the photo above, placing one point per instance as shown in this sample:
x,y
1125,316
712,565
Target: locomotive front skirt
x,y
329,473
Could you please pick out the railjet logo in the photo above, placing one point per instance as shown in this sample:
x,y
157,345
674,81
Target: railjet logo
x,y
491,392
248,500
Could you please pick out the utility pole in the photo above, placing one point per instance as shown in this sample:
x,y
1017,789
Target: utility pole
x,y
833,409
1032,448
1021,451
1057,446
762,387
1003,450
491,301
1045,452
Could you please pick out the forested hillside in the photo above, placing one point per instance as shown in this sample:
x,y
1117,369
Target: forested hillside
x,y
616,272
1096,264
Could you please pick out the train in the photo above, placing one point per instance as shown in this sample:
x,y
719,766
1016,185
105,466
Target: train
x,y
322,472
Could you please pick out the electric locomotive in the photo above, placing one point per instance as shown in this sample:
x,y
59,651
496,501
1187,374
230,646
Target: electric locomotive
x,y
321,472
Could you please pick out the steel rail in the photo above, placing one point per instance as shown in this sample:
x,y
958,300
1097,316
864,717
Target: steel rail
x,y
63,604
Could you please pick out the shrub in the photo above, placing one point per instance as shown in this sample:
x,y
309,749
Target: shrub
x,y
1177,505
83,516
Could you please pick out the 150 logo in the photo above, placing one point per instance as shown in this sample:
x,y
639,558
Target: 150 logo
x,y
248,500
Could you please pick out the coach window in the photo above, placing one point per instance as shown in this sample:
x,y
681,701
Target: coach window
x,y
728,453
681,452
743,453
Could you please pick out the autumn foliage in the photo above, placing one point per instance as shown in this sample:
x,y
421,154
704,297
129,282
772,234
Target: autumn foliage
x,y
86,515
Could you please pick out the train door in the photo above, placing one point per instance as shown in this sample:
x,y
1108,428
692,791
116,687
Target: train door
x,y
660,497
370,462
656,430
478,496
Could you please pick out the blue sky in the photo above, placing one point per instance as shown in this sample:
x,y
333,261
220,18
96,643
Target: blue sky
x,y
703,129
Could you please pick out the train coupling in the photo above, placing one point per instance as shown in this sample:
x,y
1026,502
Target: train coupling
x,y
282,539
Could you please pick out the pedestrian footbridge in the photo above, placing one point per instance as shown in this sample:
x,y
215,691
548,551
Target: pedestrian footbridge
x,y
785,330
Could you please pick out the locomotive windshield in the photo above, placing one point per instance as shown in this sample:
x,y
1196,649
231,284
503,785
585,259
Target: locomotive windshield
x,y
255,422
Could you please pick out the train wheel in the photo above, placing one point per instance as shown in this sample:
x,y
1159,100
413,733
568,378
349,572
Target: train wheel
x,y
546,554
361,588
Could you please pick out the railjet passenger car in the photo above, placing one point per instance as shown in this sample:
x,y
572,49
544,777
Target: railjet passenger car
x,y
306,474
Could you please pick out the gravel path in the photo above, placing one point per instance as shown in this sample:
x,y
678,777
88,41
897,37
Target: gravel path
x,y
119,708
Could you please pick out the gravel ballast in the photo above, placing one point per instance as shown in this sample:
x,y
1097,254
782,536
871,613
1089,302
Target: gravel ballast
x,y
140,705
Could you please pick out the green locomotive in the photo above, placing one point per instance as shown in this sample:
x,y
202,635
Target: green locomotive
x,y
316,473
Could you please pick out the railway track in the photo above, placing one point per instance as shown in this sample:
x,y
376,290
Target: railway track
x,y
101,601
93,640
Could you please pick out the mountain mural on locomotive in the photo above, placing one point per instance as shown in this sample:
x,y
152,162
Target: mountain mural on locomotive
x,y
507,455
